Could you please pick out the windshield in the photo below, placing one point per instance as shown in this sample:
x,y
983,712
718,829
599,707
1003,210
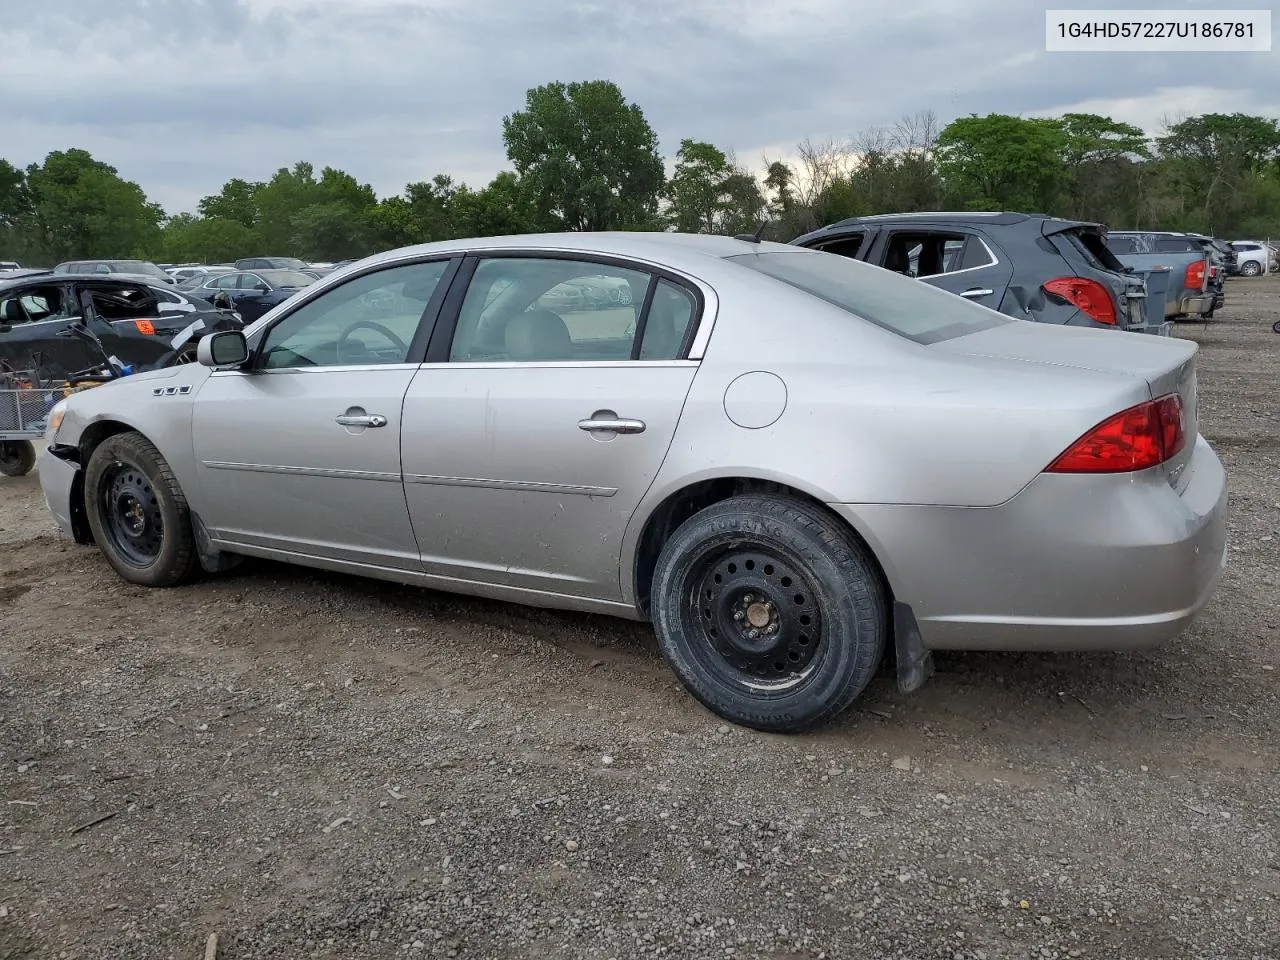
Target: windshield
x,y
910,308
285,278
137,266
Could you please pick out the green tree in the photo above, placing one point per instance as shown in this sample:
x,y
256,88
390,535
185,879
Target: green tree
x,y
236,202
1002,162
1101,176
190,239
589,158
502,208
81,207
711,194
1208,161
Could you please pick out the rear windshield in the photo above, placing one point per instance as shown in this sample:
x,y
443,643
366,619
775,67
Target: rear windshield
x,y
1096,251
910,308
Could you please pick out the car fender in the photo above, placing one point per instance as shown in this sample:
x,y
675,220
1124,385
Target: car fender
x,y
156,403
669,482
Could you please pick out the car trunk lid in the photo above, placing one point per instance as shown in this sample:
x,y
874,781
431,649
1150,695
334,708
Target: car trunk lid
x,y
1166,364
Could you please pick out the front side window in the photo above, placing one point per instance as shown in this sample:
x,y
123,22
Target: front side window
x,y
917,311
371,319
533,309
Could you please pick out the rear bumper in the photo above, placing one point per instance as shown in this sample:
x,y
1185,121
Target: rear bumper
x,y
1117,562
1199,303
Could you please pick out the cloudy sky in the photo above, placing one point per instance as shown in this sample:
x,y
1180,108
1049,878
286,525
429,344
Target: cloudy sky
x,y
181,95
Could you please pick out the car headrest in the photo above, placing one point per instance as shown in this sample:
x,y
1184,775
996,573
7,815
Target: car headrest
x,y
11,312
538,335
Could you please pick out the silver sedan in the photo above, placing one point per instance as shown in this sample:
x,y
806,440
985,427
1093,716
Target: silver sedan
x,y
791,463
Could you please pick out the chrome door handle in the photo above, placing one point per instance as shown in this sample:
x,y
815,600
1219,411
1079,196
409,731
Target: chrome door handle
x,y
611,425
977,292
361,420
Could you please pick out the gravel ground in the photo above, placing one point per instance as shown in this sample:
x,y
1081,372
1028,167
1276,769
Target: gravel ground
x,y
319,766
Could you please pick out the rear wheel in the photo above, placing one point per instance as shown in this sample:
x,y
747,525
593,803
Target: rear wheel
x,y
1250,268
770,612
17,457
138,513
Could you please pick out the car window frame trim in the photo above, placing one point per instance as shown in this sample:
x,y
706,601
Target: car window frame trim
x,y
427,320
695,336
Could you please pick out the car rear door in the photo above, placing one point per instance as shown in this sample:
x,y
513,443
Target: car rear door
x,y
533,432
957,259
298,454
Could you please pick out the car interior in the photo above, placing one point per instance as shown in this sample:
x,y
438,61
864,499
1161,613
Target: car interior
x,y
30,305
923,254
518,311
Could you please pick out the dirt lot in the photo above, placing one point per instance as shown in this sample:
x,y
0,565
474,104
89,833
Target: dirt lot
x,y
316,766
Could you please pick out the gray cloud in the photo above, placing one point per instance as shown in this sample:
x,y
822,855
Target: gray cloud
x,y
182,95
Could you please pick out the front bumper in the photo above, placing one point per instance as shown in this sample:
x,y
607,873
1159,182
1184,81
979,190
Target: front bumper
x,y
57,480
1072,562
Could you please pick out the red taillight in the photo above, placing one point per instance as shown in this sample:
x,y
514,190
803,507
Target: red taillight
x,y
1143,436
1195,275
1087,295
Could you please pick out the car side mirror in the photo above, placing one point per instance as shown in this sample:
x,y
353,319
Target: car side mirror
x,y
263,288
222,350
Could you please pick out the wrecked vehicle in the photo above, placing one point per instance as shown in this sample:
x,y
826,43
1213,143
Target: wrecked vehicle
x,y
141,324
1024,265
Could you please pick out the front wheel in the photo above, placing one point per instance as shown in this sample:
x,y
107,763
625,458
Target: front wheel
x,y
1250,268
17,457
770,612
138,514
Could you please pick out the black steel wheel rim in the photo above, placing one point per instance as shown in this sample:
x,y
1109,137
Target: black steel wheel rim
x,y
755,619
131,515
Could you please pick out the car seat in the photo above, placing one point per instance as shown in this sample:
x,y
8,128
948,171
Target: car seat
x,y
537,335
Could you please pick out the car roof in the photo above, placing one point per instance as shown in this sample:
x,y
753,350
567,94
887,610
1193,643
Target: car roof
x,y
638,245
997,217
47,277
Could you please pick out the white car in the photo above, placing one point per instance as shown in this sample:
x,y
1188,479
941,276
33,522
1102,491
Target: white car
x,y
1252,257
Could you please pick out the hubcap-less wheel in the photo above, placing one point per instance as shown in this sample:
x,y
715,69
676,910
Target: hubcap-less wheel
x,y
131,514
759,618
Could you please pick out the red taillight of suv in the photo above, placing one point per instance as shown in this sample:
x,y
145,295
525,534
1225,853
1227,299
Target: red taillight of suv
x,y
1143,436
1195,275
1087,295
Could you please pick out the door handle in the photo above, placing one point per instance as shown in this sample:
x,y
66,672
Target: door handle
x,y
611,425
977,292
361,420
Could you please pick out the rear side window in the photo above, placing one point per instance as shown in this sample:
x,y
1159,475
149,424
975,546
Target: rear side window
x,y
917,311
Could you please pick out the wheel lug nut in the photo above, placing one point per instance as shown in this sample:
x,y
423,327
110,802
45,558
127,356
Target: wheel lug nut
x,y
753,634
738,614
748,598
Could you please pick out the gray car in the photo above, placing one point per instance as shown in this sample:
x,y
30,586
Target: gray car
x,y
1025,265
790,462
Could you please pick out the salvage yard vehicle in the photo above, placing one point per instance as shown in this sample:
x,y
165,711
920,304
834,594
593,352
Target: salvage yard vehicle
x,y
143,270
1024,265
140,323
252,293
1188,259
1253,257
891,469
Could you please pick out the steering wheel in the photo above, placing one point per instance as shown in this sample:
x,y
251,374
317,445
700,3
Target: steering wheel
x,y
377,327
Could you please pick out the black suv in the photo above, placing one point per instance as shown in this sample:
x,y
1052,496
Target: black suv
x,y
1025,265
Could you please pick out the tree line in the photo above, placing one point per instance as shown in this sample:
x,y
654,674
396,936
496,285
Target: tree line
x,y
583,158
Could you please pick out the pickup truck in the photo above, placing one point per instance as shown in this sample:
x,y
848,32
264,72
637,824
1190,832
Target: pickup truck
x,y
1196,280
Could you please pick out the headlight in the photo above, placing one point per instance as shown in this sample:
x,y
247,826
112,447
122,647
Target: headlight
x,y
55,420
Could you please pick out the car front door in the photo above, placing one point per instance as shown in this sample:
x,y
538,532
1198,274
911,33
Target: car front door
x,y
37,318
298,454
539,422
